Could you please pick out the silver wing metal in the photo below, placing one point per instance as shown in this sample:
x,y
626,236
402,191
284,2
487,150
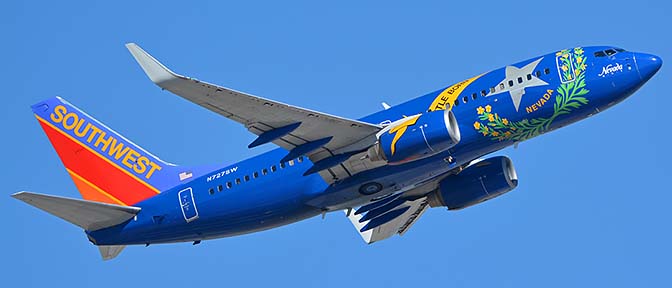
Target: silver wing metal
x,y
398,225
260,115
394,214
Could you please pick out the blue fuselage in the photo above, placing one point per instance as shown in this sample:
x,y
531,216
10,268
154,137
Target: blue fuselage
x,y
494,110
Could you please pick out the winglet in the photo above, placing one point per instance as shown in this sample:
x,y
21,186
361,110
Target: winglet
x,y
152,67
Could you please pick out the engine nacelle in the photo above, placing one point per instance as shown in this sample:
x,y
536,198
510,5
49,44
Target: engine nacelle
x,y
478,182
416,137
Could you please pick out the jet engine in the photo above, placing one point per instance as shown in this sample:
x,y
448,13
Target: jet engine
x,y
478,182
416,137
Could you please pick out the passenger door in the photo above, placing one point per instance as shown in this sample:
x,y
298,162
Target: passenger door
x,y
187,204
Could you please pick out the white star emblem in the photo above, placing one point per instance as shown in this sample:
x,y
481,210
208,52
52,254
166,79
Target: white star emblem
x,y
518,89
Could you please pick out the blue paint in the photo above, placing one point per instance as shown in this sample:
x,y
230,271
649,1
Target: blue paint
x,y
286,195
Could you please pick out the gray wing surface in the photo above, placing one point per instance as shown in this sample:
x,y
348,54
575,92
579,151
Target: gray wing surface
x,y
260,115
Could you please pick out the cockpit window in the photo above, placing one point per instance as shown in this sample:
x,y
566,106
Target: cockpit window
x,y
608,52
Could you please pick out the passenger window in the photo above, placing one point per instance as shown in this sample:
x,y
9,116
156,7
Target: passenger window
x,y
501,86
211,191
599,54
457,102
538,73
300,159
229,185
520,80
247,178
547,71
474,95
220,188
237,181
483,93
273,168
255,174
264,171
291,162
510,83
282,165
465,99
492,89
610,52
529,76
619,49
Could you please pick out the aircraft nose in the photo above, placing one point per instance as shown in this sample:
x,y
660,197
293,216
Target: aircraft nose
x,y
647,65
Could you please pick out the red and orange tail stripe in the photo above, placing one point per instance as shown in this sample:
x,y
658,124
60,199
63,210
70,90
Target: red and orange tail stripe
x,y
104,166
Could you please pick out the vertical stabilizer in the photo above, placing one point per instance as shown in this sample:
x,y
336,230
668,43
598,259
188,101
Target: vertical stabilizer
x,y
105,166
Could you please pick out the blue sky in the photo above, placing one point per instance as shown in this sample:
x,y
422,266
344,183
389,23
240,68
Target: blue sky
x,y
592,207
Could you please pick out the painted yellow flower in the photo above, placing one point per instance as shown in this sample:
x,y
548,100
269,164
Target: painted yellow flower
x,y
565,55
495,133
564,68
579,59
480,110
488,108
559,53
491,117
507,134
505,121
477,125
485,132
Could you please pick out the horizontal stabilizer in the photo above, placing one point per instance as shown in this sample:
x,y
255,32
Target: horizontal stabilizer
x,y
88,215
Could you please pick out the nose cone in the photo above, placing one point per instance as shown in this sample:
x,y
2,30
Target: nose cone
x,y
647,65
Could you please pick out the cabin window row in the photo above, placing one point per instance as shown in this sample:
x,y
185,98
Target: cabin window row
x,y
502,86
254,175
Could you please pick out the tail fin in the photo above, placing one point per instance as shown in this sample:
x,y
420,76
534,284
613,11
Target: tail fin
x,y
105,166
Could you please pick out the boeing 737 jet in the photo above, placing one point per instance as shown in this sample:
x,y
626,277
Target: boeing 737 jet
x,y
382,171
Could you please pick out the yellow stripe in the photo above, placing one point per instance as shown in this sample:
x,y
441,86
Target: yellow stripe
x,y
75,175
98,154
446,99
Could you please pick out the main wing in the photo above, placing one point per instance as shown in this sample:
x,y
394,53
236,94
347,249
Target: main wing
x,y
301,131
393,214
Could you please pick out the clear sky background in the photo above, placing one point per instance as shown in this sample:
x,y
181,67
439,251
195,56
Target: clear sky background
x,y
593,204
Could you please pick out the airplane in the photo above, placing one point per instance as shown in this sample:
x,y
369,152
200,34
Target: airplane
x,y
382,171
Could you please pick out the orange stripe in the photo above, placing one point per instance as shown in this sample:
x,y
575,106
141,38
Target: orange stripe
x,y
97,154
92,192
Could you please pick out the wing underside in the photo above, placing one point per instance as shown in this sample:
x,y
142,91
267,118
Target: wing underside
x,y
392,214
